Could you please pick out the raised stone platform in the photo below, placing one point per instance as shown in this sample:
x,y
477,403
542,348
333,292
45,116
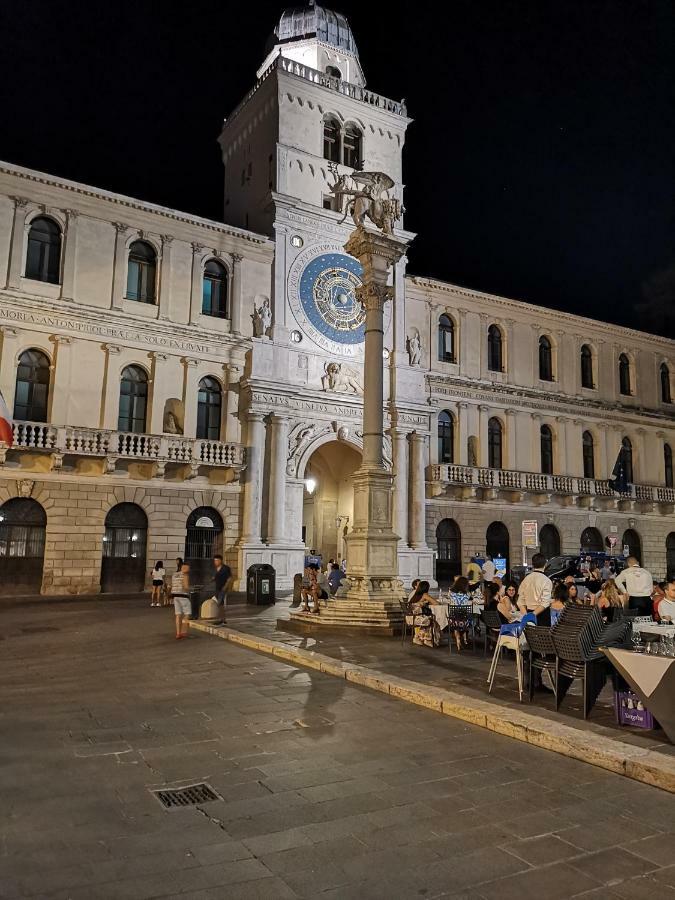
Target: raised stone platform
x,y
366,616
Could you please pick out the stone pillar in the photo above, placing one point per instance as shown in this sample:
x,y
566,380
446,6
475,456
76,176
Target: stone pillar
x,y
417,491
561,436
69,257
164,287
10,348
509,461
110,399
119,265
255,451
157,396
232,427
641,469
236,294
575,449
483,416
190,382
14,267
399,448
276,517
400,355
60,387
196,287
462,435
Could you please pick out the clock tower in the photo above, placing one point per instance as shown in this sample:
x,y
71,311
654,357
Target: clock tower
x,y
308,120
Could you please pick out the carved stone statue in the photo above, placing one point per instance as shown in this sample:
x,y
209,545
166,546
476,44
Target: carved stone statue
x,y
340,382
364,195
172,421
415,348
472,448
262,318
170,424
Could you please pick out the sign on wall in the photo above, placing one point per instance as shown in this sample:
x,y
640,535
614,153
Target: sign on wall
x,y
530,531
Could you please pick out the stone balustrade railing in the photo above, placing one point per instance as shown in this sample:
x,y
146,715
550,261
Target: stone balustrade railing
x,y
77,441
535,482
355,91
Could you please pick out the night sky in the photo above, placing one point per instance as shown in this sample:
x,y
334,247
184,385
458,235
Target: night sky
x,y
540,165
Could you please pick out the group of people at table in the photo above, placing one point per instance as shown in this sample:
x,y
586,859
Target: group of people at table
x,y
634,588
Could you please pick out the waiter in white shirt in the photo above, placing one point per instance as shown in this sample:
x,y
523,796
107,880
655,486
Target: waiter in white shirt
x,y
489,570
638,584
536,591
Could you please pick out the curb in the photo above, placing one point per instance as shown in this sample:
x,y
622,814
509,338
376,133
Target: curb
x,y
609,753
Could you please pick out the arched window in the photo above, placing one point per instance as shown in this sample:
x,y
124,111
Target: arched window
x,y
497,543
214,290
591,541
133,400
494,444
352,144
631,540
665,384
43,254
141,273
624,375
495,355
449,558
587,380
23,525
627,459
545,359
333,71
446,435
32,387
549,541
546,445
588,450
204,539
668,464
446,339
124,545
331,139
209,404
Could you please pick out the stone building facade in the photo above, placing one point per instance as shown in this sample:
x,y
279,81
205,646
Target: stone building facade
x,y
181,386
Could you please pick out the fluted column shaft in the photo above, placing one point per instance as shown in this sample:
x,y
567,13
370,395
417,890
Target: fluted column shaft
x,y
399,446
417,490
276,518
255,446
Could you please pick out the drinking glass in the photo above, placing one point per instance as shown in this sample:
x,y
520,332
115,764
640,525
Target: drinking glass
x,y
636,638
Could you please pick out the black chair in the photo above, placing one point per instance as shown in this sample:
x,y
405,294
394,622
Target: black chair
x,y
576,659
493,624
459,614
542,654
405,610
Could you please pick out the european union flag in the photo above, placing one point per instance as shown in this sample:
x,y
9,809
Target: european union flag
x,y
619,480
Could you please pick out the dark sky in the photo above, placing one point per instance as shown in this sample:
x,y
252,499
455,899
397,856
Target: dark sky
x,y
540,166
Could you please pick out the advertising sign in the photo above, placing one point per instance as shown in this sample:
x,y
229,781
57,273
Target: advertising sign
x,y
500,566
530,533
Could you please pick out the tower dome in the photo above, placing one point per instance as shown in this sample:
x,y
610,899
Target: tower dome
x,y
313,21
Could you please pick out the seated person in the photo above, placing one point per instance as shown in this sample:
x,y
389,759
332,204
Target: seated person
x,y
426,629
413,590
560,598
594,580
459,596
506,606
667,605
609,597
491,595
334,579
657,596
573,593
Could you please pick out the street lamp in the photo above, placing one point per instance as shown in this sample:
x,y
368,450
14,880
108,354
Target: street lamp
x,y
310,485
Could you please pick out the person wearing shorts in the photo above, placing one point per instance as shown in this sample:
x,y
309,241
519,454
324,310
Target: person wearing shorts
x,y
180,592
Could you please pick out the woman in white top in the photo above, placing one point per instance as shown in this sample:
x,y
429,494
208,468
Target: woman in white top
x,y
158,574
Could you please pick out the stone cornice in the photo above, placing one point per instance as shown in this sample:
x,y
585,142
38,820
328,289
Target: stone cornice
x,y
130,202
503,306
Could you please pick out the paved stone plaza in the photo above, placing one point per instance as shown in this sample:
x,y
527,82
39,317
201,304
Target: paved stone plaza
x,y
329,790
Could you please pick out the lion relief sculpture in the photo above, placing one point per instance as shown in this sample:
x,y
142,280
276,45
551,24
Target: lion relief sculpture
x,y
340,380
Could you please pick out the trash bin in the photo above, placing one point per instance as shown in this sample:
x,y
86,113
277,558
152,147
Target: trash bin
x,y
260,584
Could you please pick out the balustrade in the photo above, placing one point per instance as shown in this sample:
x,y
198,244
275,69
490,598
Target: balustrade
x,y
34,435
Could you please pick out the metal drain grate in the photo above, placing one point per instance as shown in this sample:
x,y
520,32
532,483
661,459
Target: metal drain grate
x,y
192,795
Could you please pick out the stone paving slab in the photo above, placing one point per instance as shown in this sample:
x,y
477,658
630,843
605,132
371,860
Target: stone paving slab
x,y
604,750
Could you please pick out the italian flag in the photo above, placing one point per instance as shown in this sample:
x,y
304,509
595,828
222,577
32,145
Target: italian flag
x,y
6,434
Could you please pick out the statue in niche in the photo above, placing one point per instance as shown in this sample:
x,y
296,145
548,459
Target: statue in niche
x,y
339,381
172,421
262,318
472,447
415,348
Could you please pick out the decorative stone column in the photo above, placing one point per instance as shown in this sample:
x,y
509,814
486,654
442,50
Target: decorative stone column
x,y
511,435
10,347
164,286
69,256
60,388
563,463
276,517
255,447
399,447
372,544
232,427
483,416
417,491
18,235
191,376
236,295
462,435
119,265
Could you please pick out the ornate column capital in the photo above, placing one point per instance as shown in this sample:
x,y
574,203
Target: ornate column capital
x,y
236,258
71,214
157,355
112,348
462,404
483,408
561,420
373,296
120,227
189,362
510,413
196,247
61,339
278,419
20,202
254,415
8,331
166,238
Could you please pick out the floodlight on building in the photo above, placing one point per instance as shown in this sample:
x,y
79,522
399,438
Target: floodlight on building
x,y
310,485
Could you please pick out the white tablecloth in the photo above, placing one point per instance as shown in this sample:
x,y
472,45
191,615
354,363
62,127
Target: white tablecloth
x,y
652,678
655,628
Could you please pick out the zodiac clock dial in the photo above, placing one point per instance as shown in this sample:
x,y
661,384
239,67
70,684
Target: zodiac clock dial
x,y
326,291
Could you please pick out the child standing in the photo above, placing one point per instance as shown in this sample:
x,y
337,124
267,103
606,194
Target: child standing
x,y
158,574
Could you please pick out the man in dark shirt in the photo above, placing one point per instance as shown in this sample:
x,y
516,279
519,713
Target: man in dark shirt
x,y
221,577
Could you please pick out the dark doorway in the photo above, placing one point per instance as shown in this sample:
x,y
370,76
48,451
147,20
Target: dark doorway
x,y
631,539
23,524
497,542
591,541
670,555
449,559
203,540
549,541
124,548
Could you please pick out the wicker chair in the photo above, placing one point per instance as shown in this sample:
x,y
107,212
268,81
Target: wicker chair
x,y
542,653
576,659
459,614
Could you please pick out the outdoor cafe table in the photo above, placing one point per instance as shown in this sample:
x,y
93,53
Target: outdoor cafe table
x,y
652,678
654,628
440,612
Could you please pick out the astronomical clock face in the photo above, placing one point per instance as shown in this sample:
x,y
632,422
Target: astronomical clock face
x,y
322,285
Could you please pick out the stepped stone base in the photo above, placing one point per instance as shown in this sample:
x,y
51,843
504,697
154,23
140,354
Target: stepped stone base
x,y
366,616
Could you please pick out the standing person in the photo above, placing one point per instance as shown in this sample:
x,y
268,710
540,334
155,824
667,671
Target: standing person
x,y
167,582
180,592
334,579
221,577
535,591
158,574
473,574
459,596
638,584
489,571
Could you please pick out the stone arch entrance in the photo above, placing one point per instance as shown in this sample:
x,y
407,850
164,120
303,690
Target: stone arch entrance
x,y
203,540
23,524
549,541
449,558
124,549
328,497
